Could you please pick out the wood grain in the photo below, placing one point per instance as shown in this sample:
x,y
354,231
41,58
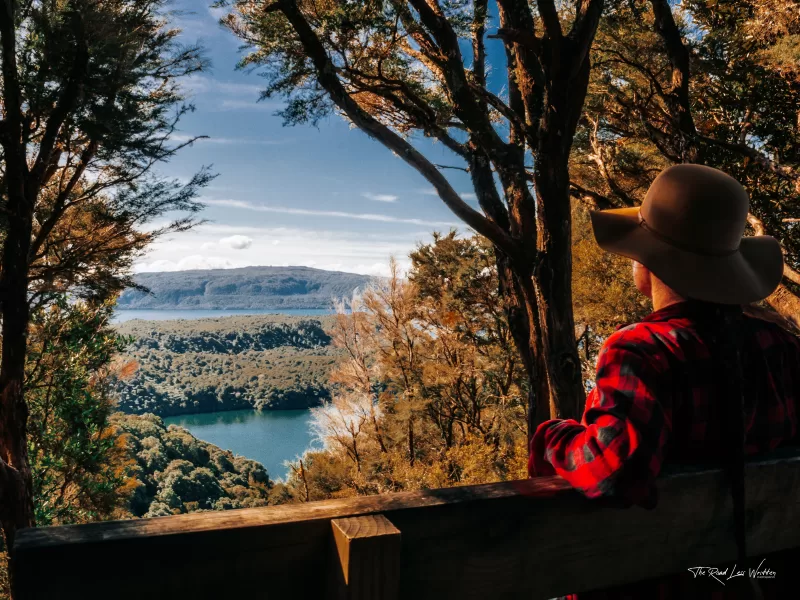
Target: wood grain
x,y
534,538
365,560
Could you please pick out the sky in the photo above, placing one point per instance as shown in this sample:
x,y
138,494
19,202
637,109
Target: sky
x,y
327,197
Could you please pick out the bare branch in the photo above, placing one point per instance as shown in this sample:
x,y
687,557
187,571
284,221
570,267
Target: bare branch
x,y
468,109
466,170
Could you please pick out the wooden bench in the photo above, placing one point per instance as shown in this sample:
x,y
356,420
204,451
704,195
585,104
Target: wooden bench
x,y
521,539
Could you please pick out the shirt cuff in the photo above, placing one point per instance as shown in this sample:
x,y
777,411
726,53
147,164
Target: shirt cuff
x,y
538,465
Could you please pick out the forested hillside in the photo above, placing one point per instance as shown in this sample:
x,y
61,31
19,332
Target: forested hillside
x,y
169,471
249,287
208,365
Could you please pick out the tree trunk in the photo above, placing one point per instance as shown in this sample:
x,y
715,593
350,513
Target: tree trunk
x,y
553,281
520,309
411,440
16,506
553,276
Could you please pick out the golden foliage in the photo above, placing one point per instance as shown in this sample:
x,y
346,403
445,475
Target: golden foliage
x,y
431,391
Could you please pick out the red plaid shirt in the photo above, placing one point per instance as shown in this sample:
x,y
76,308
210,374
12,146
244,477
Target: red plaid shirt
x,y
656,400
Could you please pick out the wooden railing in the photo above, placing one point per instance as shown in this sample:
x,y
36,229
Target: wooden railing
x,y
522,539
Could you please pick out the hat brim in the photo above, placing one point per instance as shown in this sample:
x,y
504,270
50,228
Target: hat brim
x,y
748,275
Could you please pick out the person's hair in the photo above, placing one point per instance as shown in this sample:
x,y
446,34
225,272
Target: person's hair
x,y
725,332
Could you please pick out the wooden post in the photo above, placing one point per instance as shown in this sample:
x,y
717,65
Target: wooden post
x,y
366,559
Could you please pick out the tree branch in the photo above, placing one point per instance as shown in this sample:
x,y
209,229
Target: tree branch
x,y
549,14
599,201
756,156
66,102
326,74
664,24
583,31
467,107
60,204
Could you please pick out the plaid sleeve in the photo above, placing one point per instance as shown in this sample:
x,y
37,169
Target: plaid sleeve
x,y
617,449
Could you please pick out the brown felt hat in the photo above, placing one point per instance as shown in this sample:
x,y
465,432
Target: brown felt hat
x,y
689,232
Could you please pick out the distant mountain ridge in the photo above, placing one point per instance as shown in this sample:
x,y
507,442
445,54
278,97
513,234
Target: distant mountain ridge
x,y
243,288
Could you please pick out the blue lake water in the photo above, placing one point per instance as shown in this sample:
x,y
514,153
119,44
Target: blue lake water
x,y
270,437
168,315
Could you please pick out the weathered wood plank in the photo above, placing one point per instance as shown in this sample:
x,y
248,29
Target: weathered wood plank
x,y
533,538
366,559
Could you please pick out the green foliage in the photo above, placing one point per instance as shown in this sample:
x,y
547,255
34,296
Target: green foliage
x,y
172,472
303,334
269,362
77,464
91,94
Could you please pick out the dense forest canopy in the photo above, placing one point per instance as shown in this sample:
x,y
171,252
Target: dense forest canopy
x,y
230,363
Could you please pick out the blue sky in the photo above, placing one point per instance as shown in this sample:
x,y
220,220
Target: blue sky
x,y
327,197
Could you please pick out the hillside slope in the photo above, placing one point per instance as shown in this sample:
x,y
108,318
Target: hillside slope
x,y
172,472
207,365
245,288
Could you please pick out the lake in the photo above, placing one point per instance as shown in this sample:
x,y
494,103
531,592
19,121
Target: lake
x,y
270,437
121,316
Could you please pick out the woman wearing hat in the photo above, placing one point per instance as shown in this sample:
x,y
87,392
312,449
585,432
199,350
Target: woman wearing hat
x,y
697,380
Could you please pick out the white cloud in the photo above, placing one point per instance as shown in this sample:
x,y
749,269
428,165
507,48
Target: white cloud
x,y
324,213
217,12
432,192
201,84
366,252
183,138
217,95
187,263
237,242
380,197
249,105
382,269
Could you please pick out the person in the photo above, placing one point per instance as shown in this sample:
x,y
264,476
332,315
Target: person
x,y
701,379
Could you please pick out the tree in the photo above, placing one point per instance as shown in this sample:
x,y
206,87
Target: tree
x,y
703,84
398,71
431,391
77,461
90,95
